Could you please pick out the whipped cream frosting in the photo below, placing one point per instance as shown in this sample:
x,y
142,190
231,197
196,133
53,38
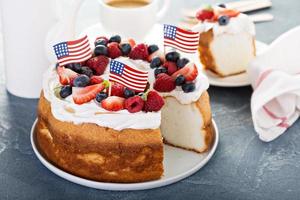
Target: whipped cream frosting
x,y
239,24
66,110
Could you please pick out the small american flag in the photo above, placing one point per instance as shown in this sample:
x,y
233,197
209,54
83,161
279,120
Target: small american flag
x,y
183,40
129,77
73,51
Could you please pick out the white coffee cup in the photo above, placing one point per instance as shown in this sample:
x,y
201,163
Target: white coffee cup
x,y
30,29
134,22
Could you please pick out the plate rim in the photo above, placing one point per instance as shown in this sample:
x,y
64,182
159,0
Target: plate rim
x,y
123,186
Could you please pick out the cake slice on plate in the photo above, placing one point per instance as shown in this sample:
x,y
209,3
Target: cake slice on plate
x,y
227,40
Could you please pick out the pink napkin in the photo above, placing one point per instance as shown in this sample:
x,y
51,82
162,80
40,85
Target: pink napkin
x,y
275,78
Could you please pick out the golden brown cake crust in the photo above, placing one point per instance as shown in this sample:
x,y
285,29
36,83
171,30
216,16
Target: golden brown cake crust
x,y
203,105
99,153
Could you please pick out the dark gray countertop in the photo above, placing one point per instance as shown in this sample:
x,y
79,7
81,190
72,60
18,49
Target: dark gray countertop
x,y
243,167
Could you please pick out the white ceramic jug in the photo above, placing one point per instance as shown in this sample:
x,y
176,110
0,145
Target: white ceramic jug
x,y
30,29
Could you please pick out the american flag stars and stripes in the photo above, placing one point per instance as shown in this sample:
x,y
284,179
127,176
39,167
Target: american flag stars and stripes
x,y
129,77
183,40
73,51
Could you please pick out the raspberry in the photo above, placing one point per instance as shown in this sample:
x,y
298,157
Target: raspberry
x,y
164,83
117,90
171,66
140,51
134,104
98,64
113,50
154,102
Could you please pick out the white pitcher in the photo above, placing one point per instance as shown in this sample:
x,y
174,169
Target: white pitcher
x,y
30,29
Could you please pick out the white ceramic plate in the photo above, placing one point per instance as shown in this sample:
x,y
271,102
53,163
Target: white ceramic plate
x,y
155,37
178,164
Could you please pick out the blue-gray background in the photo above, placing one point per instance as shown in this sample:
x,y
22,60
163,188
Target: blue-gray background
x,y
242,168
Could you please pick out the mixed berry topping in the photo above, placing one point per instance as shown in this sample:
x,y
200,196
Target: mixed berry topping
x,y
85,83
220,14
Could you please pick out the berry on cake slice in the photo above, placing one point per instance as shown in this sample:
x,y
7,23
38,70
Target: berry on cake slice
x,y
189,71
101,40
95,80
206,13
134,104
66,76
117,89
164,83
115,38
98,64
113,103
86,94
113,50
139,52
154,102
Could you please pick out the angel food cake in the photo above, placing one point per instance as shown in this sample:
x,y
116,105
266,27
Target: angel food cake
x,y
100,129
227,40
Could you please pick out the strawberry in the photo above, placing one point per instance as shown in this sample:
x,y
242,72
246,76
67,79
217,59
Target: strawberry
x,y
139,52
117,90
86,94
114,50
66,76
113,103
159,54
171,66
98,64
164,83
95,80
154,102
205,14
189,71
134,104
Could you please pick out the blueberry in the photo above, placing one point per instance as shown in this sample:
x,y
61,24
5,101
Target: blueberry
x,y
223,20
180,80
125,49
77,67
101,50
156,62
152,48
101,96
128,93
115,38
188,87
81,81
74,66
222,5
172,56
69,66
160,70
101,42
182,62
65,91
87,71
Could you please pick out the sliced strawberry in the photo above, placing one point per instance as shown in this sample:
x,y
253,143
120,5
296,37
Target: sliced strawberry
x,y
95,80
205,14
113,103
84,95
66,76
189,71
